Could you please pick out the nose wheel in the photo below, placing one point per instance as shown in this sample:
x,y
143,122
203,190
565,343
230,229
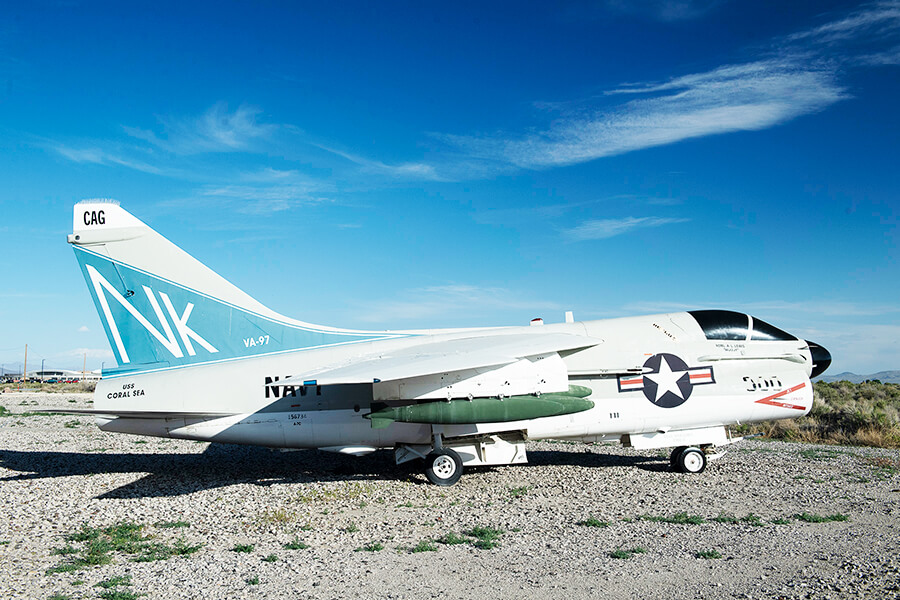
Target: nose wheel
x,y
443,467
687,459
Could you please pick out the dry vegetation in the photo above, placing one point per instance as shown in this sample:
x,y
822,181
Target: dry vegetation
x,y
859,414
53,388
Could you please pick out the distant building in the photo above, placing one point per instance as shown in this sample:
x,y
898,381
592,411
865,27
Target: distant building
x,y
57,375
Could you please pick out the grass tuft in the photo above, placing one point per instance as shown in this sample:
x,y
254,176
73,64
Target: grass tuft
x,y
351,490
245,548
276,516
817,454
120,595
752,519
371,547
518,492
86,533
424,546
708,554
681,518
488,534
172,524
592,522
813,518
296,544
623,554
64,551
722,518
485,537
114,582
98,545
154,552
451,539
64,568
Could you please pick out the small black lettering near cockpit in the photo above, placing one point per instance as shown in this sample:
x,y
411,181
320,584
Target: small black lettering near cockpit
x,y
94,217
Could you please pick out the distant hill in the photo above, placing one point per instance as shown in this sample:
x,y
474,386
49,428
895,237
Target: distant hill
x,y
882,376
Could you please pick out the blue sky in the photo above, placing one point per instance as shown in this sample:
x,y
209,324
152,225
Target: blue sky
x,y
394,165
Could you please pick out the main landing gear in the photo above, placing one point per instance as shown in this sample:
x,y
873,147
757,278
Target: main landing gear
x,y
443,461
443,466
688,459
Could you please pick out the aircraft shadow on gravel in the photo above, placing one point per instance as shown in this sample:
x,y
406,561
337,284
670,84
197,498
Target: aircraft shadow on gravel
x,y
222,465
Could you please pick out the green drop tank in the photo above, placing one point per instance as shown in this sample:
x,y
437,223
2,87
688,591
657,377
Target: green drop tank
x,y
484,410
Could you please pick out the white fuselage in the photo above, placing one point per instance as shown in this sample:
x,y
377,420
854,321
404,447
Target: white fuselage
x,y
733,381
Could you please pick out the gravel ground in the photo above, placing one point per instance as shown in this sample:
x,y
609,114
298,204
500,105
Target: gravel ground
x,y
59,474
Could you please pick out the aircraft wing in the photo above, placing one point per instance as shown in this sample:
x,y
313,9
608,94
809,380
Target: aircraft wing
x,y
485,352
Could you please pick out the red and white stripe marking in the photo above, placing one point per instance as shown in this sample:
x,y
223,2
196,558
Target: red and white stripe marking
x,y
702,375
628,384
770,400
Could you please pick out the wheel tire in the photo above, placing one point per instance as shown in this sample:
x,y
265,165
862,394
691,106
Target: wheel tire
x,y
692,460
443,467
673,458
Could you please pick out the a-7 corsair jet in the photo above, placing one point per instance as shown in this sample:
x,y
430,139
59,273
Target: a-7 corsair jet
x,y
200,359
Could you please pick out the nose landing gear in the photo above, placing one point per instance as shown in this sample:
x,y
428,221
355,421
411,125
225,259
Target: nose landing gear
x,y
688,459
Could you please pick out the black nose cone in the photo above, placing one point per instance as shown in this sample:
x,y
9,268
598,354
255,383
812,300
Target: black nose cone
x,y
821,358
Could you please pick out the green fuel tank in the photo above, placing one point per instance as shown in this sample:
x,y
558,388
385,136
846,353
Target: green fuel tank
x,y
485,410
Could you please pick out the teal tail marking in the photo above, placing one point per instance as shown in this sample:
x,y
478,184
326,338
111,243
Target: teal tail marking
x,y
153,323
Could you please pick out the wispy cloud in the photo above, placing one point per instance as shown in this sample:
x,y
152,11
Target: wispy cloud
x,y
405,171
83,329
877,19
886,58
445,303
665,10
799,75
536,213
216,130
598,229
101,157
165,149
795,75
731,98
269,190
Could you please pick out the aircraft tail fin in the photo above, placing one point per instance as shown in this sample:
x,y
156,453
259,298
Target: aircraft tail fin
x,y
163,308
